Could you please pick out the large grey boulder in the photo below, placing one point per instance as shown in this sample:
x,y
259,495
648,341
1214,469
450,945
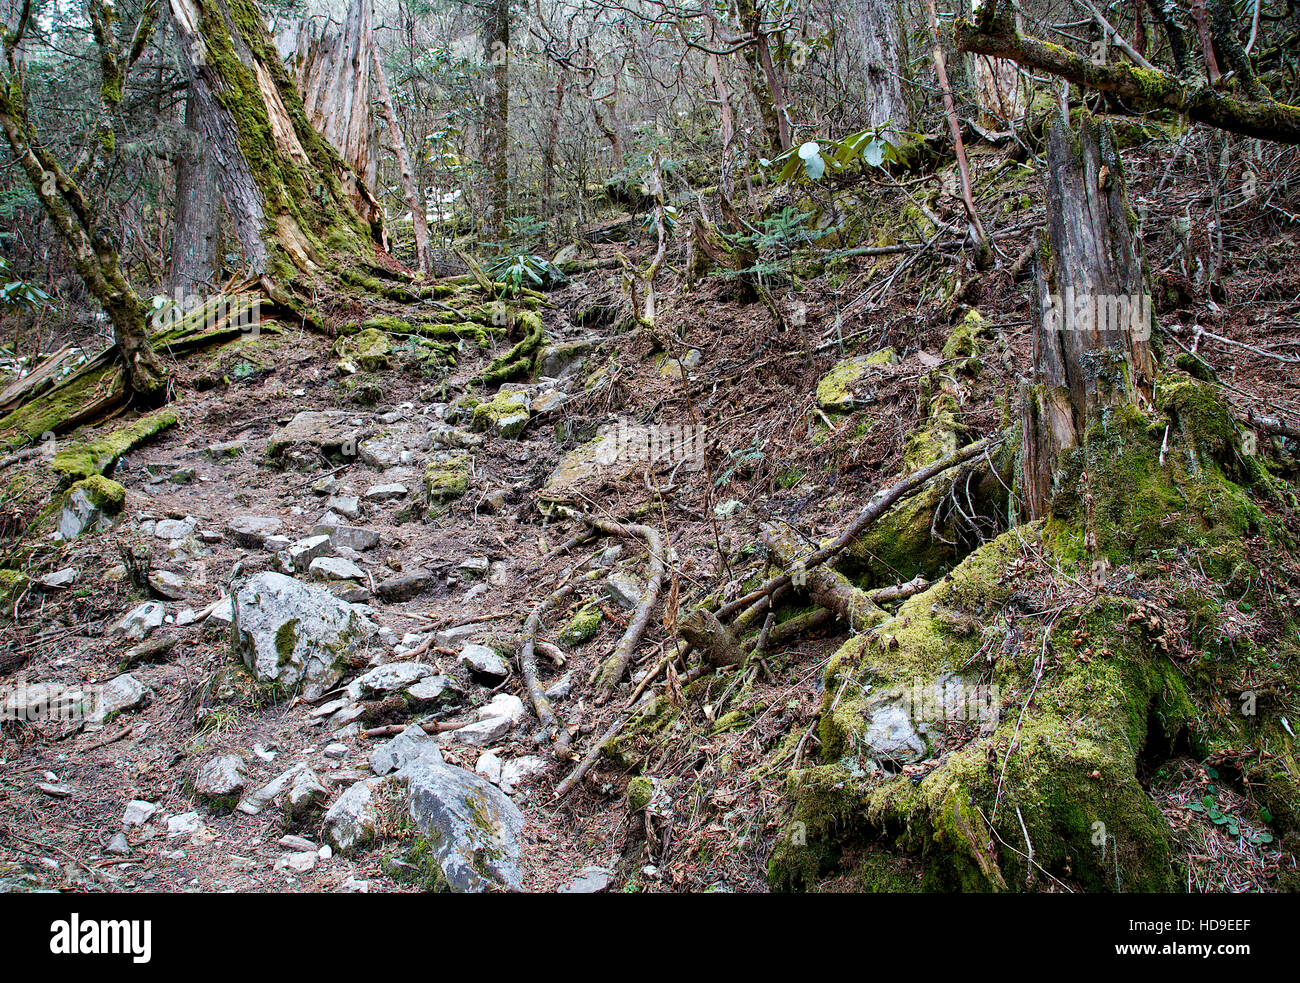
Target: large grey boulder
x,y
295,634
471,829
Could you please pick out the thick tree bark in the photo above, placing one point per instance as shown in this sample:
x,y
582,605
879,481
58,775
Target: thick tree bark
x,y
1092,350
332,68
285,186
496,110
878,36
197,219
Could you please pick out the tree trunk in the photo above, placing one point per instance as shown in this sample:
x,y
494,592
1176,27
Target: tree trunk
x,y
1092,350
414,195
285,187
765,81
877,23
496,110
332,69
197,221
93,255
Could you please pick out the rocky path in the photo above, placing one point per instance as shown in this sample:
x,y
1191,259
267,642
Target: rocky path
x,y
312,571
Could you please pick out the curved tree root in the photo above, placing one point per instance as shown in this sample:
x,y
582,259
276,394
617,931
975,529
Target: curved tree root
x,y
611,673
528,667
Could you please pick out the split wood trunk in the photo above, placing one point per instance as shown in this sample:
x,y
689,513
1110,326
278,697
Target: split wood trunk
x,y
1092,351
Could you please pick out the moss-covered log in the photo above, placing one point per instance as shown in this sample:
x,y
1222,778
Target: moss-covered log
x,y
1143,90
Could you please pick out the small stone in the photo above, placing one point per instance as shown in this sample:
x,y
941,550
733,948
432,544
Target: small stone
x,y
169,585
301,553
221,777
336,750
175,528
484,661
505,705
387,678
224,450
411,744
483,731
59,578
335,568
384,493
298,862
223,611
119,694
623,589
184,824
141,620
561,688
489,766
348,506
432,689
118,845
137,813
475,566
252,530
299,844
351,537
495,500
515,771
590,880
405,587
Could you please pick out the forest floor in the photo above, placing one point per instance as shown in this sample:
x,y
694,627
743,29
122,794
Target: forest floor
x,y
772,456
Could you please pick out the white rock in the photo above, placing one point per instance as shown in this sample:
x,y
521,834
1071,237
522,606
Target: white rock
x,y
137,813
140,620
483,660
292,633
335,568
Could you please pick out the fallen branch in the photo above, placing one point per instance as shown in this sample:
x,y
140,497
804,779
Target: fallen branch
x,y
593,754
880,503
1142,90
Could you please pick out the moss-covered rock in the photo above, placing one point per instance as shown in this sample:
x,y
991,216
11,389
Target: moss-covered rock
x,y
446,476
506,414
369,349
103,493
841,390
582,626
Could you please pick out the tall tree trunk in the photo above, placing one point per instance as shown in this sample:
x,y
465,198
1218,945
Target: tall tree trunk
x,y
1092,350
877,24
197,219
285,186
414,195
553,137
765,80
332,68
496,109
